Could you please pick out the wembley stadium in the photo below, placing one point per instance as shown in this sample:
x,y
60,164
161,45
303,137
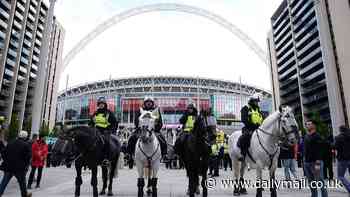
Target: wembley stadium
x,y
172,94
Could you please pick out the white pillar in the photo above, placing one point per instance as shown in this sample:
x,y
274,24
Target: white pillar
x,y
40,80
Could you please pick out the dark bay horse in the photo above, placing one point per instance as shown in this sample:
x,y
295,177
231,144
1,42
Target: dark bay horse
x,y
195,152
83,146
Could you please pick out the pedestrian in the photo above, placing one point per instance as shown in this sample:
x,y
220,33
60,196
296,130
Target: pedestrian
x,y
16,158
39,152
227,159
288,155
2,132
342,146
214,160
313,163
328,158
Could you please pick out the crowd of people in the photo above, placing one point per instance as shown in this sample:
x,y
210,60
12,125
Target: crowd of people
x,y
20,155
315,155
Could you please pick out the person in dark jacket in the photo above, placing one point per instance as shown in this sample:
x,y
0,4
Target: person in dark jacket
x,y
313,164
252,118
105,122
328,158
342,146
288,156
16,157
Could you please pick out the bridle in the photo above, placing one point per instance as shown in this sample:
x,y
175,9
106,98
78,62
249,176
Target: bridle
x,y
70,139
272,155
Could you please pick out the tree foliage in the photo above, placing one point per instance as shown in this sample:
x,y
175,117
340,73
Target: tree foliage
x,y
321,126
44,129
13,128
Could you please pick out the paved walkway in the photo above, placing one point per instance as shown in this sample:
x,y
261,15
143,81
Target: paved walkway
x,y
59,182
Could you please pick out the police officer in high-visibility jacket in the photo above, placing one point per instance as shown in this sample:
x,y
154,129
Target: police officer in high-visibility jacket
x,y
214,159
105,122
188,121
227,159
252,118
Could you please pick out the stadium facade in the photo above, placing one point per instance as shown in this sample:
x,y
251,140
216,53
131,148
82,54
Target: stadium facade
x,y
172,94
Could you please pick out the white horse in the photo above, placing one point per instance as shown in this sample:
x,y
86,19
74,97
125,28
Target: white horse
x,y
147,153
264,150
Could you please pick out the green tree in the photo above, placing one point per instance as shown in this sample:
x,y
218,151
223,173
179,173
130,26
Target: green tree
x,y
55,132
13,127
44,129
27,125
321,126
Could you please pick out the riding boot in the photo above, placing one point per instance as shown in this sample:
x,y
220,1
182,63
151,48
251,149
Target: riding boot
x,y
140,185
154,187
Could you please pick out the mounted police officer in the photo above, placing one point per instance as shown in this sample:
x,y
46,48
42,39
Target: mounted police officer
x,y
149,105
105,122
188,121
252,118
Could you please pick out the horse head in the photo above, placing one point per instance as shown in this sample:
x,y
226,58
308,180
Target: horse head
x,y
63,149
147,122
288,126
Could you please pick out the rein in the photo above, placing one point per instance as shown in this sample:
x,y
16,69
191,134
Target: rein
x,y
149,158
271,156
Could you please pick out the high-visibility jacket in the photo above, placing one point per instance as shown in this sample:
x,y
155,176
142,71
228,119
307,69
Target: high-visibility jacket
x,y
189,124
215,148
101,120
225,148
255,116
220,137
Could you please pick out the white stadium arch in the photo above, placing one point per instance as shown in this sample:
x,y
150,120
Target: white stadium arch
x,y
164,7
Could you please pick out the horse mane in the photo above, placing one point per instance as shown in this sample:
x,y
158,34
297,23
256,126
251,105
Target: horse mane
x,y
270,120
80,130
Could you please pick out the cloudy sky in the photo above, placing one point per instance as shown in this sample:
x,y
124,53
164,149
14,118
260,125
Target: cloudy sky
x,y
166,42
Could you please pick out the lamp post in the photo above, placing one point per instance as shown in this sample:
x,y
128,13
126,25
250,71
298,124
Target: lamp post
x,y
41,76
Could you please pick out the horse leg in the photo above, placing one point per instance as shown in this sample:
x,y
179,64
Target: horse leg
x,y
272,181
154,180
78,180
104,179
236,172
205,166
192,182
140,180
94,181
259,188
114,165
242,189
149,181
154,186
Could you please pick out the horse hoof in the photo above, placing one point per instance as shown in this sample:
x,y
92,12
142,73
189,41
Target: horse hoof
x,y
236,193
110,193
198,191
102,192
149,192
243,191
